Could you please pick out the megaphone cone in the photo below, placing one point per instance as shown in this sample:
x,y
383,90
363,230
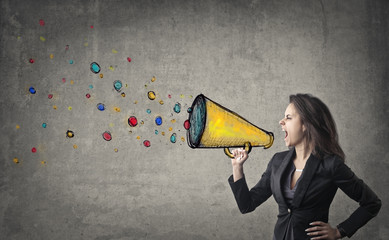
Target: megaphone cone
x,y
214,126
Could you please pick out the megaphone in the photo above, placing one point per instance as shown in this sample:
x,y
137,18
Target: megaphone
x,y
214,126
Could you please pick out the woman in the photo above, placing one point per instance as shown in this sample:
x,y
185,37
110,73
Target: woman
x,y
304,179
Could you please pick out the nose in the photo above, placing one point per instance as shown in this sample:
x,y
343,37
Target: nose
x,y
282,122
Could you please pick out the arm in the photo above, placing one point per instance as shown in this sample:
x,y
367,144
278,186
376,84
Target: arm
x,y
246,199
240,156
355,188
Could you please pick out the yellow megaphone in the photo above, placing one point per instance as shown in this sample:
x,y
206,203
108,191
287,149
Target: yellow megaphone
x,y
214,126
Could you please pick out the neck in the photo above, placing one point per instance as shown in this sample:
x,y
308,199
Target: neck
x,y
302,152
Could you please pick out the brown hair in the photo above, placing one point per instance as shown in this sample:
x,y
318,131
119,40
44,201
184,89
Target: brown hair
x,y
320,126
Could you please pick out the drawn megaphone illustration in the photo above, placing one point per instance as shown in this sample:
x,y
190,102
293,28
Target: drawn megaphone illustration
x,y
214,126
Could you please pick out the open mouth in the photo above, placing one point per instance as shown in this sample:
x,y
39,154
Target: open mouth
x,y
286,132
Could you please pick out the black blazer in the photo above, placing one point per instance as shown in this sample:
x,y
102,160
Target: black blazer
x,y
316,189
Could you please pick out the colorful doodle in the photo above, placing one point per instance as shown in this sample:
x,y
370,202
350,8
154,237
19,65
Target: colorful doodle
x,y
100,106
151,95
32,90
177,108
132,121
59,97
146,143
158,121
69,134
187,124
117,85
173,138
107,136
95,67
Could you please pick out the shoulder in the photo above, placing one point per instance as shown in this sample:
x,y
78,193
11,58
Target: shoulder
x,y
282,155
333,165
279,157
332,161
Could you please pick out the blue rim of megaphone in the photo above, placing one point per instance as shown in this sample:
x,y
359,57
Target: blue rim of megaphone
x,y
197,119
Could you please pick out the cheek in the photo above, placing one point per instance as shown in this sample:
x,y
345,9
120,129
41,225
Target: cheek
x,y
295,130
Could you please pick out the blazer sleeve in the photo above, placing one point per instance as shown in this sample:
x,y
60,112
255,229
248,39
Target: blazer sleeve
x,y
355,188
249,200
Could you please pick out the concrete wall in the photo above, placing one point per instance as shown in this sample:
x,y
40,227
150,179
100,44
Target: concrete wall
x,y
249,56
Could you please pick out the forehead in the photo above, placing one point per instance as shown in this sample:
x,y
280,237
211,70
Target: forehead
x,y
291,110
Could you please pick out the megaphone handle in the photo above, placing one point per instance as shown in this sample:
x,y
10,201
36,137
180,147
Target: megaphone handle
x,y
247,147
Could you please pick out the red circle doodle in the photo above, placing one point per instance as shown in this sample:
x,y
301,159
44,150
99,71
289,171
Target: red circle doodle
x,y
146,143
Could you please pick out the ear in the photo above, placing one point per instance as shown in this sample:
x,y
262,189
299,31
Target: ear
x,y
304,128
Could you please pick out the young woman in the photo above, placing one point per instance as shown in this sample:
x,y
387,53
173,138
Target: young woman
x,y
304,179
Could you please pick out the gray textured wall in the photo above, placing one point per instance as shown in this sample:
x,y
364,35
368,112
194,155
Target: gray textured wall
x,y
246,55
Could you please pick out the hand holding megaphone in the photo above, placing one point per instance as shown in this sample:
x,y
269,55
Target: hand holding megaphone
x,y
240,156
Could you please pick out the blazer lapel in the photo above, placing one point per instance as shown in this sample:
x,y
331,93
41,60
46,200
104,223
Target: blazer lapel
x,y
309,171
278,176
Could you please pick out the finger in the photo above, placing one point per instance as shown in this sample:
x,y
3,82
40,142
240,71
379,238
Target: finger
x,y
317,228
234,152
317,223
240,152
323,232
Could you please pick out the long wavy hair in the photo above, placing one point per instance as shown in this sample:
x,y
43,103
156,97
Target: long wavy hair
x,y
320,127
